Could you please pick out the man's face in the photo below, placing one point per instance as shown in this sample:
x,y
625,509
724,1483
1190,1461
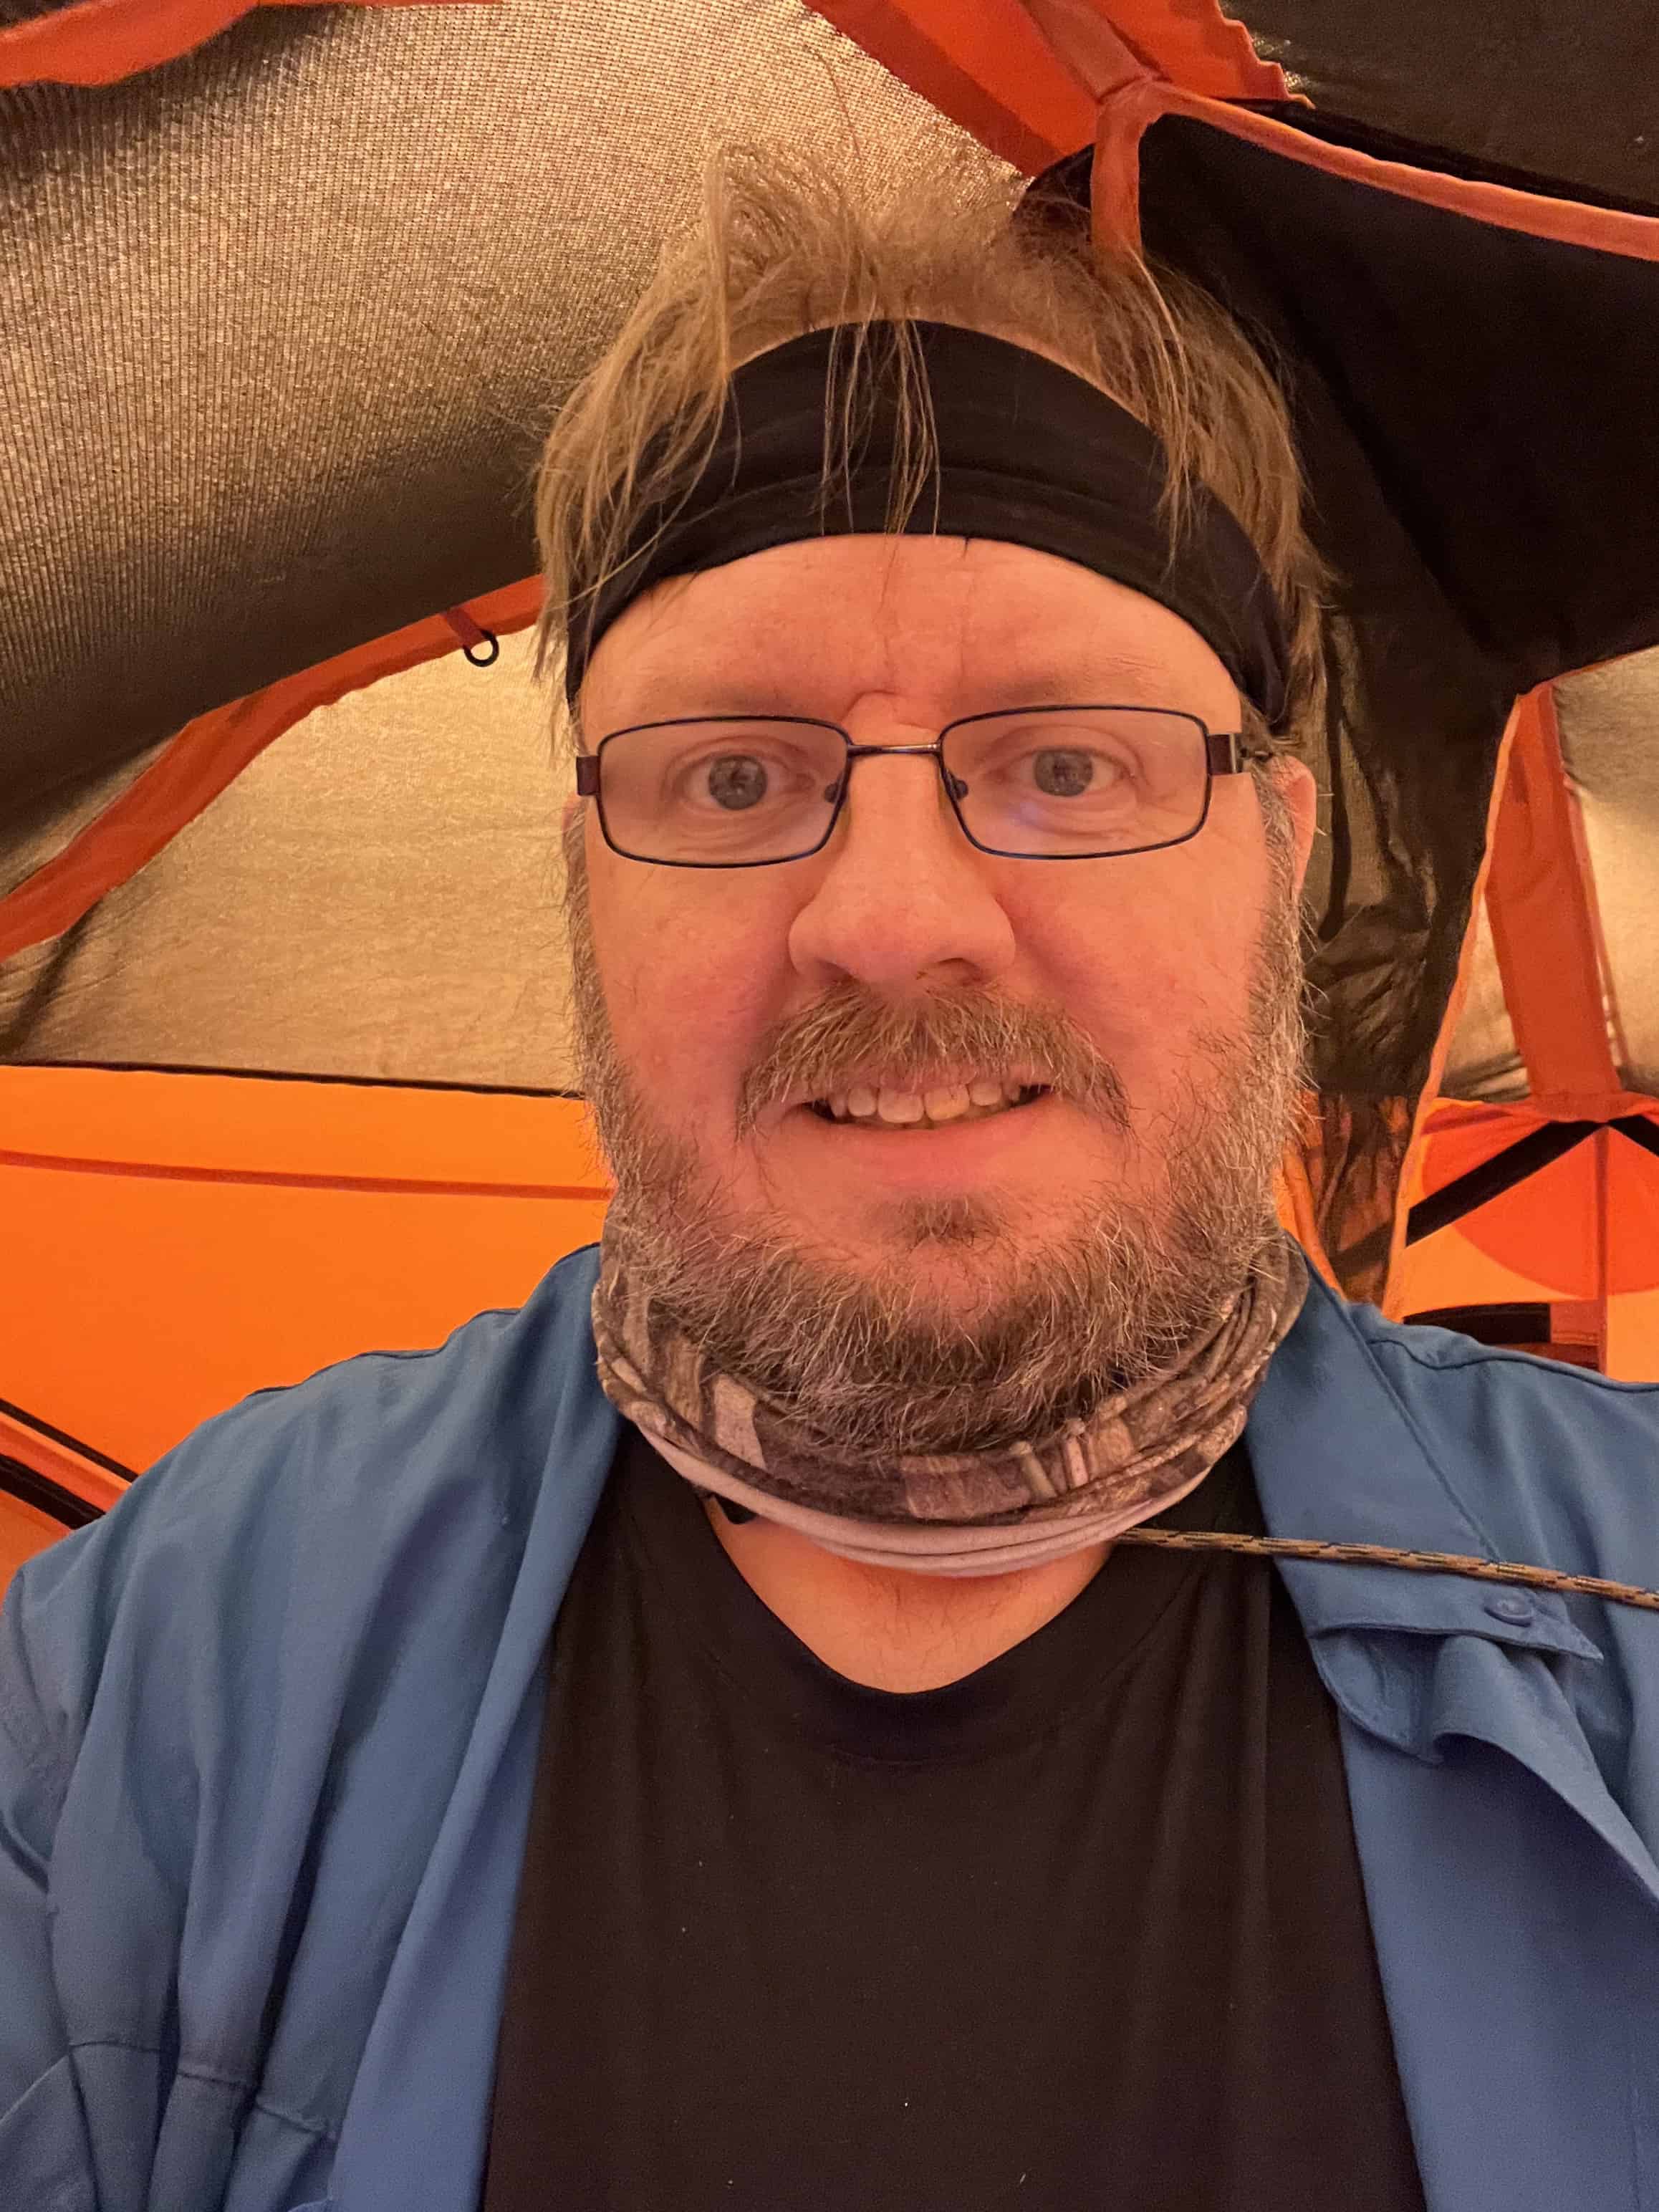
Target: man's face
x,y
918,1290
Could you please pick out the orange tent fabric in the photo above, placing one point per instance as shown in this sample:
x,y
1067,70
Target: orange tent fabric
x,y
101,41
1583,1230
263,1230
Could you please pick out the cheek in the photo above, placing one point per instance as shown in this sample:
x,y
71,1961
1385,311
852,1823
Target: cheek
x,y
687,987
1147,971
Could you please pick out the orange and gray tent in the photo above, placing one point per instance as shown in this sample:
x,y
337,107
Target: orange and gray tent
x,y
288,298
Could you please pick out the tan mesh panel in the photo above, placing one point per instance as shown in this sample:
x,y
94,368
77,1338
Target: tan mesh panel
x,y
1609,723
1483,1061
377,896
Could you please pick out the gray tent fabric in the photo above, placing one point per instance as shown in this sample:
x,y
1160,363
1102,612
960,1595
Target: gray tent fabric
x,y
286,319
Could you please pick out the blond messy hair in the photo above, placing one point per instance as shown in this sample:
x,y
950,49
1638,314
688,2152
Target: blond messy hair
x,y
786,244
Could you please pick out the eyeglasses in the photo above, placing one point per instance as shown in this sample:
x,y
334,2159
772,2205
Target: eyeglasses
x,y
1038,783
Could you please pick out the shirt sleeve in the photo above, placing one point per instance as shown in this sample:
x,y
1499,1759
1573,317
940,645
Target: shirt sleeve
x,y
43,2154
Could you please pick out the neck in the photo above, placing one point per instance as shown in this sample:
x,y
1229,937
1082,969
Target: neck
x,y
890,1630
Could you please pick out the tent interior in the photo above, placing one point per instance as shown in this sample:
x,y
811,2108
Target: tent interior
x,y
288,296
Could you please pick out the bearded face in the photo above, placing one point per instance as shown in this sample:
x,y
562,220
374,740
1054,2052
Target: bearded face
x,y
931,1148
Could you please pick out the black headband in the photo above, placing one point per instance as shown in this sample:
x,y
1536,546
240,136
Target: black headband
x,y
1028,453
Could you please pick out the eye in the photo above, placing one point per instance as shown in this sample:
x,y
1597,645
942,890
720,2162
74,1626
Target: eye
x,y
736,781
729,780
1069,772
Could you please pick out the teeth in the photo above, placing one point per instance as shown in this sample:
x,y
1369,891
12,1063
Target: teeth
x,y
899,1105
899,1109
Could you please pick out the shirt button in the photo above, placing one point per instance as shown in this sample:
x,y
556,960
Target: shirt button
x,y
1517,1611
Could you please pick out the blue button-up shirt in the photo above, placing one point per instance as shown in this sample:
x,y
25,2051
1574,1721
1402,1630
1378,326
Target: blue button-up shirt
x,y
268,1733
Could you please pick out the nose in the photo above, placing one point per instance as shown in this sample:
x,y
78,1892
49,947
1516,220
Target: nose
x,y
899,896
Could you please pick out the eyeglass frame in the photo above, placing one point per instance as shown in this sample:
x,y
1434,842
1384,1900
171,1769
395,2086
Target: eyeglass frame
x,y
1226,752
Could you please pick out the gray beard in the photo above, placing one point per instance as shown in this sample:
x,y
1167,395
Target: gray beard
x,y
1041,1327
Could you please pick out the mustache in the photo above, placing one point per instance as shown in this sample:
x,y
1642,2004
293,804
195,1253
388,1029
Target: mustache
x,y
849,1027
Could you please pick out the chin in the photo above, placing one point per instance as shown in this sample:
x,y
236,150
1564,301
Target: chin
x,y
955,1245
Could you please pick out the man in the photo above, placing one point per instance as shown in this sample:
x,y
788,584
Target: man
x,y
700,1740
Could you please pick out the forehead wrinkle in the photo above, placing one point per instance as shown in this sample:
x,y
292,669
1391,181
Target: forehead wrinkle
x,y
1074,656
1125,679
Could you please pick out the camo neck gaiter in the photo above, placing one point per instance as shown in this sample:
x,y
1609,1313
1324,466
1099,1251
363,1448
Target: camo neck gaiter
x,y
963,1513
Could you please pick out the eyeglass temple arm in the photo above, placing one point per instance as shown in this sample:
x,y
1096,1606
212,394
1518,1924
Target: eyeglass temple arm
x,y
1228,752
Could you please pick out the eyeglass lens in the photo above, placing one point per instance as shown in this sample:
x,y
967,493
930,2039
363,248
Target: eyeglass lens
x,y
1055,782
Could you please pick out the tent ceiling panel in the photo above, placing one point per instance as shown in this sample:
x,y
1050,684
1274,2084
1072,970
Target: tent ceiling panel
x,y
377,896
290,316
1564,91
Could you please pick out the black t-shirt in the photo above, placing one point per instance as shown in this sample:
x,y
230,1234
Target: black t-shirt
x,y
1083,1928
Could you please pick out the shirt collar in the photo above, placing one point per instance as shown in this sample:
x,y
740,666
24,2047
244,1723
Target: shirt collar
x,y
1339,1456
